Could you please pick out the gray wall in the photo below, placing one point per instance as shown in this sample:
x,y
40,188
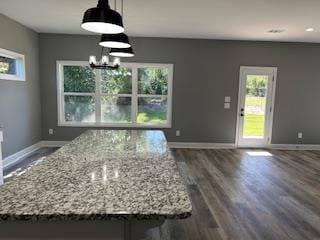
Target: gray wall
x,y
20,101
204,72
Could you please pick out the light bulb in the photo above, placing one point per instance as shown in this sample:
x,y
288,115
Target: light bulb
x,y
92,59
116,61
104,60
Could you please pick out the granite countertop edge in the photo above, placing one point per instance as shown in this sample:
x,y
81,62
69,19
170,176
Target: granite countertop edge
x,y
86,217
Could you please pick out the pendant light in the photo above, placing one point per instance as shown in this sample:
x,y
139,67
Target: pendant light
x,y
102,19
120,40
122,52
119,43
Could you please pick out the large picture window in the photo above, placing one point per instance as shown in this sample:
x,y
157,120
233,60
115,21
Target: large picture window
x,y
135,95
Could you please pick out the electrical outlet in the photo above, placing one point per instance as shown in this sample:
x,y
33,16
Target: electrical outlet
x,y
1,137
51,131
300,135
227,105
178,133
227,99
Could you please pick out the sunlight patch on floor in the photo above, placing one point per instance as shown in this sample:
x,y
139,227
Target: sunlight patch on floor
x,y
259,153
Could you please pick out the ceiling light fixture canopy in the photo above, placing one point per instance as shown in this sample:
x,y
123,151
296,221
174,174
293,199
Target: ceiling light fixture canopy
x,y
120,40
122,52
102,19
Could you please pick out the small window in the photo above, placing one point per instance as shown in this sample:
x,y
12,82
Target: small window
x,y
11,66
135,95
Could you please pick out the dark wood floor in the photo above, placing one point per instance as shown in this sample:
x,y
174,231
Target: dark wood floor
x,y
27,163
239,195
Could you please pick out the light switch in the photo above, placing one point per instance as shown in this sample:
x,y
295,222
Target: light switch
x,y
226,105
227,99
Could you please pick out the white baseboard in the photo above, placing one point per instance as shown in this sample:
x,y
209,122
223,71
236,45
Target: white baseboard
x,y
201,145
295,146
18,156
233,146
53,143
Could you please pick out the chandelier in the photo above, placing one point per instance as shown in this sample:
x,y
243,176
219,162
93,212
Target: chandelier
x,y
114,42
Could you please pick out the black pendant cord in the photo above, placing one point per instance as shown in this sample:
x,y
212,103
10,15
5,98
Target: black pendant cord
x,y
122,10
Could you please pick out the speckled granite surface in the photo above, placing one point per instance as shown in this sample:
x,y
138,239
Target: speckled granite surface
x,y
102,174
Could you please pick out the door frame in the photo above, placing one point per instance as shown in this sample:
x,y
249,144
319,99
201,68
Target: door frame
x,y
1,161
272,103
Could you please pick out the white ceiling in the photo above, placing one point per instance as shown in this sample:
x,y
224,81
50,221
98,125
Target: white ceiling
x,y
210,19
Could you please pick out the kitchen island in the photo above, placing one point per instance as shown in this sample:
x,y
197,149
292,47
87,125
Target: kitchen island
x,y
118,183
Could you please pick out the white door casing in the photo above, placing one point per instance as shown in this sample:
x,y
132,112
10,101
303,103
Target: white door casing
x,y
1,163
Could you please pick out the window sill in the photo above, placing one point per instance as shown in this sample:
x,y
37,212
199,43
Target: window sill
x,y
8,77
96,125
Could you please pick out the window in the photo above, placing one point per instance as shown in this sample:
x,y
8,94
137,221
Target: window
x,y
135,95
12,66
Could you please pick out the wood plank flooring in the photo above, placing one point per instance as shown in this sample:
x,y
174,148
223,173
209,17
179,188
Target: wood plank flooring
x,y
245,194
27,163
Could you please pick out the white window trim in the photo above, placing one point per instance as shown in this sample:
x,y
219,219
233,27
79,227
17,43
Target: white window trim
x,y
97,94
20,66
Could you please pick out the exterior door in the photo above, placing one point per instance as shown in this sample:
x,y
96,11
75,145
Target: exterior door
x,y
255,109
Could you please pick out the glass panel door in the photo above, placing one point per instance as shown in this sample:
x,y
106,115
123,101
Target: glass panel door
x,y
255,106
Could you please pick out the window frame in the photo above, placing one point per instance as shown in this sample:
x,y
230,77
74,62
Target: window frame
x,y
20,66
98,95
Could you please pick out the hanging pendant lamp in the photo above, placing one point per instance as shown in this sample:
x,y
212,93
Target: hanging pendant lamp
x,y
122,52
102,19
120,40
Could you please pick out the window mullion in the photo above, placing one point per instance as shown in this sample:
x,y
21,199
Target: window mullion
x,y
78,94
134,94
98,96
115,95
152,95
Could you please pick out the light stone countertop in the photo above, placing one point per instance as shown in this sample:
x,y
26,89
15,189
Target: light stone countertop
x,y
101,175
